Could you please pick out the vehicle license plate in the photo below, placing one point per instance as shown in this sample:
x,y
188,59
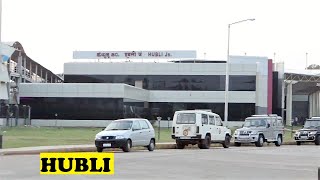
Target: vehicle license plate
x,y
244,138
185,137
106,145
304,137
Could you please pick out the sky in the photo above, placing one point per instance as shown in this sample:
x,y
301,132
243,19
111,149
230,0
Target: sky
x,y
50,30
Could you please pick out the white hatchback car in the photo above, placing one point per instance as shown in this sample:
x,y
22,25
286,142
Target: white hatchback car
x,y
126,133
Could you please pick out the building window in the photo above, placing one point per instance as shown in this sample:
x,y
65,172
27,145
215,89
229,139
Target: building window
x,y
172,82
242,83
204,119
75,108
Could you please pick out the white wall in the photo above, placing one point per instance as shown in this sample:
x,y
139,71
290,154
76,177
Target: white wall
x,y
90,123
99,90
261,64
129,92
70,123
12,121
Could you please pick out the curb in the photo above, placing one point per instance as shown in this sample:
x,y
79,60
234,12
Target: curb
x,y
93,148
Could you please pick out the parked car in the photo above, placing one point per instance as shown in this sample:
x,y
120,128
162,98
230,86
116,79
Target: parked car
x,y
199,127
310,132
125,134
258,129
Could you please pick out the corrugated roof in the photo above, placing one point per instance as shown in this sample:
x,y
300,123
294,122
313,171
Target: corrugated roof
x,y
313,72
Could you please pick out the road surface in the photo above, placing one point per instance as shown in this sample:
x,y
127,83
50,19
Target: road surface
x,y
285,162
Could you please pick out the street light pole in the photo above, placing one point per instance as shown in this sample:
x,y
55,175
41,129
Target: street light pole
x,y
226,112
0,21
0,28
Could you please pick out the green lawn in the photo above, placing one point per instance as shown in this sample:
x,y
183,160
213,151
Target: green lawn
x,y
49,136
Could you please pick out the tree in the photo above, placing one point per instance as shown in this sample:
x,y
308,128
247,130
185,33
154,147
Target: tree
x,y
313,66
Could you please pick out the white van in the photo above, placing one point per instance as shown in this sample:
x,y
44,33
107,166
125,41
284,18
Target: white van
x,y
199,127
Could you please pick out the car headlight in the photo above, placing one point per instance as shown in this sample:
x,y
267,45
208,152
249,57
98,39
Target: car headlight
x,y
98,137
235,132
254,133
313,133
297,133
119,137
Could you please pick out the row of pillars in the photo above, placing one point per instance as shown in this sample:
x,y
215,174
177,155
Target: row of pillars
x,y
314,101
22,62
14,112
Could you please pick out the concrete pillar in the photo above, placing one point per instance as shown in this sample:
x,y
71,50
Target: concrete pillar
x,y
51,79
30,71
257,89
41,74
36,73
282,98
25,68
289,104
318,104
310,106
19,67
314,104
46,77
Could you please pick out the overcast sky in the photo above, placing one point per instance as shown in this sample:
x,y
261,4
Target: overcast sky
x,y
50,30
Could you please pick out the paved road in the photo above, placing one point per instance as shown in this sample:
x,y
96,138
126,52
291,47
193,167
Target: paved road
x,y
285,162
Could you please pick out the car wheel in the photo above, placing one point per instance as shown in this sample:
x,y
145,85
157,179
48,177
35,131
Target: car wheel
x,y
200,146
317,141
99,149
179,145
226,142
206,142
298,143
279,141
151,145
237,144
260,141
127,146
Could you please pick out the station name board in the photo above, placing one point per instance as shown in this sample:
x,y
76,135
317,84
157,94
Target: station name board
x,y
133,54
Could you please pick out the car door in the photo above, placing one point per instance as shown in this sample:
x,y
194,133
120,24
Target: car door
x,y
136,135
220,129
269,128
146,134
277,128
213,128
204,121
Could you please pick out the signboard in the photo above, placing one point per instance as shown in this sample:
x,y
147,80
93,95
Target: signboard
x,y
318,84
134,54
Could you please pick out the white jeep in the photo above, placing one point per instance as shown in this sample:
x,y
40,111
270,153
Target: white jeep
x,y
199,127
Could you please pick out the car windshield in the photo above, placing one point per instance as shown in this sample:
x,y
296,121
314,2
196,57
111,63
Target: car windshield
x,y
311,123
119,125
186,118
255,123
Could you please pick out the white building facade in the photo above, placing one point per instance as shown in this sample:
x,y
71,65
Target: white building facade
x,y
94,91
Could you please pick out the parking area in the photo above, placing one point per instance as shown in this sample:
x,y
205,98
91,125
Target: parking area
x,y
285,162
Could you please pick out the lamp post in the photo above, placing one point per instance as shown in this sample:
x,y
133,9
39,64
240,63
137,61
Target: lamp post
x,y
0,26
227,73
